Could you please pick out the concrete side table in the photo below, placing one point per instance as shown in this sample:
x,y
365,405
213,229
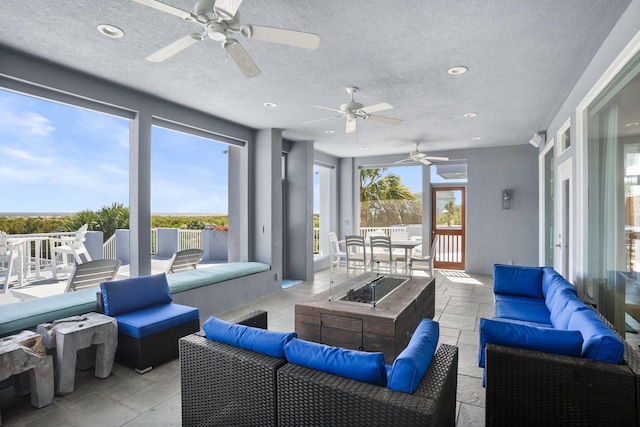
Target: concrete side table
x,y
70,335
23,356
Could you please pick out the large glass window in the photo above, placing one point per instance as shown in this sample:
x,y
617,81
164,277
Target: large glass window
x,y
613,235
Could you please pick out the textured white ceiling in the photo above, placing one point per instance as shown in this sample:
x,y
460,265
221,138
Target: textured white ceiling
x,y
523,58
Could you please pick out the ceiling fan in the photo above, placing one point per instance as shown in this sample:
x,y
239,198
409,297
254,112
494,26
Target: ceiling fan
x,y
417,156
217,18
353,110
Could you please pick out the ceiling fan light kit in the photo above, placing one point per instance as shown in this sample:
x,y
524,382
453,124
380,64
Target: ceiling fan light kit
x,y
217,18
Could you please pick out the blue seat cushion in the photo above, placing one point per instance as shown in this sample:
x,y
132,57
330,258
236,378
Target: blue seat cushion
x,y
517,280
406,372
123,296
353,364
600,342
151,320
509,334
259,340
523,311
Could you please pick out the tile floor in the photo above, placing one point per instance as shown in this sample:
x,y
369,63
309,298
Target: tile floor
x,y
129,399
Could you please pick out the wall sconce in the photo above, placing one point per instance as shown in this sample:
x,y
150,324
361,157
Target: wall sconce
x,y
506,199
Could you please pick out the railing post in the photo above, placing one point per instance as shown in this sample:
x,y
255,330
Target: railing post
x,y
122,246
167,240
93,243
215,244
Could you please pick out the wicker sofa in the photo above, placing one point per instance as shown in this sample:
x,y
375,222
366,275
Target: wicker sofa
x,y
226,385
529,386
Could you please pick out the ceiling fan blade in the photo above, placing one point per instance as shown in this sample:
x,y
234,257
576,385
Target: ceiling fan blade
x,y
241,58
175,47
404,160
278,35
375,108
387,120
226,9
351,126
424,161
329,108
168,9
437,159
321,120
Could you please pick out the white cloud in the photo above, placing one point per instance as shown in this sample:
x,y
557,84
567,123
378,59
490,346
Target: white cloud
x,y
24,123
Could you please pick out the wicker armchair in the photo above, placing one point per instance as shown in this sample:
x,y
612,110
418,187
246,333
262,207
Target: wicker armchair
x,y
310,397
224,385
526,387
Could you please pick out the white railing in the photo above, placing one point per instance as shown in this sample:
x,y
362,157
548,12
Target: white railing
x,y
388,231
189,239
316,240
109,248
154,241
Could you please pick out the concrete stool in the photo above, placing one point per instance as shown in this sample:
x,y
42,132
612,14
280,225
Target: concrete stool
x,y
70,335
23,356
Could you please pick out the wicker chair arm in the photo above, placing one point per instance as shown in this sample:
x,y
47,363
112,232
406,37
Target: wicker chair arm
x,y
311,397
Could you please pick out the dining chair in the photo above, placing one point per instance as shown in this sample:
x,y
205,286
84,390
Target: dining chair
x,y
8,257
382,253
418,263
338,256
67,247
356,252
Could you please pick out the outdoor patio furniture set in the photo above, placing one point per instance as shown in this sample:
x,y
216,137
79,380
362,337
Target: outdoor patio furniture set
x,y
247,375
551,359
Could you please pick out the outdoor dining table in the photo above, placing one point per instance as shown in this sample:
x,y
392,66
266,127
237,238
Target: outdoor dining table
x,y
407,244
23,244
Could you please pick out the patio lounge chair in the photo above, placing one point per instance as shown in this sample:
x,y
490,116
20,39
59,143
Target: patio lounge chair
x,y
8,257
67,247
184,260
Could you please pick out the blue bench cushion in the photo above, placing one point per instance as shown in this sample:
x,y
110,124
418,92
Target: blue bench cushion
x,y
517,280
600,342
413,362
23,315
123,296
259,340
203,276
523,311
528,337
353,364
151,320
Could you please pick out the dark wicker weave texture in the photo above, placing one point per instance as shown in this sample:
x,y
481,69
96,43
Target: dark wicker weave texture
x,y
532,388
224,385
307,397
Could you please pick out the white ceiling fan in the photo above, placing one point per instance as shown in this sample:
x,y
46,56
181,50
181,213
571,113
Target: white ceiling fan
x,y
417,156
217,18
353,110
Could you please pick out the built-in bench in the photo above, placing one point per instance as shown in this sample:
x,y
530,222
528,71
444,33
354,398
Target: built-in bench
x,y
236,283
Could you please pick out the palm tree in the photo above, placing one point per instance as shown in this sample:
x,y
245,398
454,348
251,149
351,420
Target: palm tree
x,y
384,200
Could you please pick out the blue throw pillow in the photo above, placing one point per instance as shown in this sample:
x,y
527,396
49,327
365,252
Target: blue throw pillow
x,y
137,293
509,334
259,340
357,365
410,366
600,342
517,280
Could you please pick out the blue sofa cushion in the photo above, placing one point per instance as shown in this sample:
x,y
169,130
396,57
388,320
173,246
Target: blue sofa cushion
x,y
259,340
522,311
519,299
600,342
151,320
413,362
562,305
123,296
353,364
551,278
528,337
517,280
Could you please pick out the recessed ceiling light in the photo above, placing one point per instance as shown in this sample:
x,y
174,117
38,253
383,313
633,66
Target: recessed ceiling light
x,y
111,31
364,148
270,104
456,71
329,132
632,124
471,114
476,138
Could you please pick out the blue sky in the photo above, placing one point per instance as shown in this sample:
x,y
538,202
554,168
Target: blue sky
x,y
55,158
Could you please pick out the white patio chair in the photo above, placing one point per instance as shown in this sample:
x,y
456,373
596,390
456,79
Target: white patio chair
x,y
186,259
418,263
356,252
86,275
9,257
338,256
67,247
382,253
